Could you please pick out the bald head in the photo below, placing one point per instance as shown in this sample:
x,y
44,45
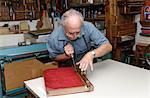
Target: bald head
x,y
72,21
71,16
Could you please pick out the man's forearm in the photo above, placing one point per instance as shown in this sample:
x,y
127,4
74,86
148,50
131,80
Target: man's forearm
x,y
103,49
62,57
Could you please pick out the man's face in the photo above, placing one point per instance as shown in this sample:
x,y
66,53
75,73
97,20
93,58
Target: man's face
x,y
73,34
72,29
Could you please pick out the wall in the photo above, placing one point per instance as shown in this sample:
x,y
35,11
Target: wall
x,y
14,39
31,24
6,41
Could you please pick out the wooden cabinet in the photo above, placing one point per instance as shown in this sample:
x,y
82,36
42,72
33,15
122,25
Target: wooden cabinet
x,y
145,12
145,19
140,55
128,7
119,20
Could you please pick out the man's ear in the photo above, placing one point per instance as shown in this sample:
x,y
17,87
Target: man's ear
x,y
66,34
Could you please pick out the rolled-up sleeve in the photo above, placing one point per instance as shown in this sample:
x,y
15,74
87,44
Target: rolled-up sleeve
x,y
51,48
55,42
96,36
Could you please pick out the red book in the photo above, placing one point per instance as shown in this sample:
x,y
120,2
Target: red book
x,y
146,31
65,80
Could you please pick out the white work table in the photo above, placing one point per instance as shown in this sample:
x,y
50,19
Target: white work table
x,y
111,79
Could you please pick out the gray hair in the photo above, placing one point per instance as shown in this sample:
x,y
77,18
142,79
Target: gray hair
x,y
70,13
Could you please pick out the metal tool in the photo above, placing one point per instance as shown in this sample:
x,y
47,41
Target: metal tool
x,y
82,74
73,61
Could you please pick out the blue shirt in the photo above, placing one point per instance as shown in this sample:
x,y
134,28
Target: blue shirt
x,y
89,36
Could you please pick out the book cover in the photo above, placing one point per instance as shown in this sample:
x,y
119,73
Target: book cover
x,y
59,81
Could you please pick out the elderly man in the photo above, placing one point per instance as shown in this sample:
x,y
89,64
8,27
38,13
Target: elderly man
x,y
74,39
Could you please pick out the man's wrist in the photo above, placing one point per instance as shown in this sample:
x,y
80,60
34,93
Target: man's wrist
x,y
93,53
67,54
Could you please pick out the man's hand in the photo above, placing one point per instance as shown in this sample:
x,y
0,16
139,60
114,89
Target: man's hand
x,y
69,50
86,61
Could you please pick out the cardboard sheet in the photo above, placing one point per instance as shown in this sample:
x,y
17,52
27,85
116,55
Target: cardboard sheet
x,y
16,73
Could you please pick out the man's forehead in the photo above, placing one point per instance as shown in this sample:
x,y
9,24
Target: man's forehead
x,y
73,24
73,20
71,28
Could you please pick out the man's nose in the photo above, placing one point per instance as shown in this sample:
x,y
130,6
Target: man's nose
x,y
74,35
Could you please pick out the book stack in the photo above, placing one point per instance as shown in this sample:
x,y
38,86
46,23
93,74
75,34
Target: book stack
x,y
145,31
145,28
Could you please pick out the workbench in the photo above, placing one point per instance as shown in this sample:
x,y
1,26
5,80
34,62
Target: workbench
x,y
111,79
17,54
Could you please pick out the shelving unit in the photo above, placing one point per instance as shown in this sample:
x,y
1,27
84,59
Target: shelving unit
x,y
121,26
130,7
145,21
94,13
11,10
140,55
147,13
145,28
91,11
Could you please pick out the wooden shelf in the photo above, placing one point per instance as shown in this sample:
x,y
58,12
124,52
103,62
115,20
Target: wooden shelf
x,y
100,18
90,10
146,35
87,5
14,10
145,23
25,11
130,7
94,13
36,33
